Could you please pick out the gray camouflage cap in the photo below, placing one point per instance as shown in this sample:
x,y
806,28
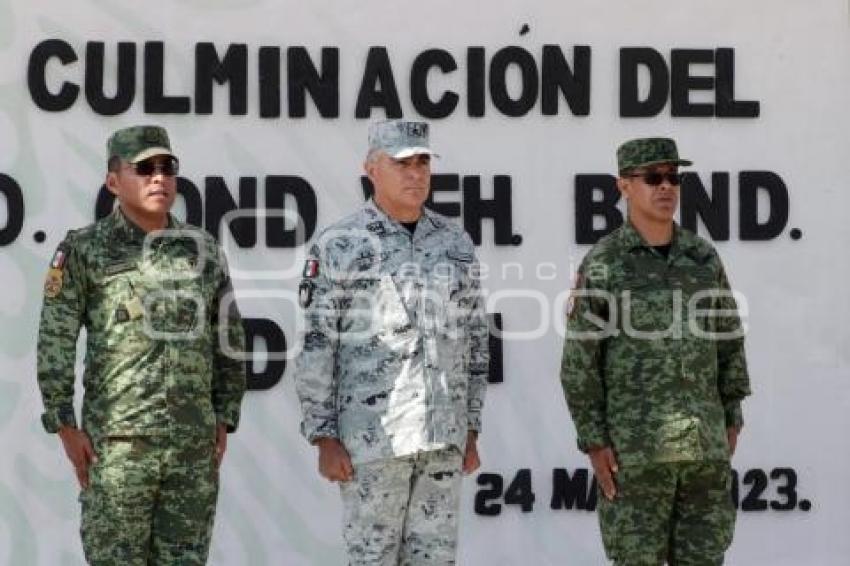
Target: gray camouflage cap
x,y
400,139
137,143
648,151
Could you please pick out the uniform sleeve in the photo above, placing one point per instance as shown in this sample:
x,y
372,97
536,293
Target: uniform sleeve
x,y
62,312
316,380
582,376
732,377
228,380
479,350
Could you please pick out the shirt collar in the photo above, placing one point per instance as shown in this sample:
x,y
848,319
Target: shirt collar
x,y
129,230
380,222
682,242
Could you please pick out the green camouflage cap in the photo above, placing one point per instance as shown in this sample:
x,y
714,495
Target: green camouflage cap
x,y
400,138
137,143
648,151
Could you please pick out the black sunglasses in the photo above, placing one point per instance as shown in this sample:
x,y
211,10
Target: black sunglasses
x,y
169,167
654,179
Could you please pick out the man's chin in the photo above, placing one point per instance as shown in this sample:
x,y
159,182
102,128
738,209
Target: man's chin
x,y
156,209
416,202
665,212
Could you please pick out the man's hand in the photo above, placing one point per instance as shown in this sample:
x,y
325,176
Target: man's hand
x,y
471,462
220,443
80,452
334,461
732,438
605,466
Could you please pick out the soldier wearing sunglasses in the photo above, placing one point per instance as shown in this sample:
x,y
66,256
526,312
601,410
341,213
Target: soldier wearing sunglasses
x,y
161,393
654,372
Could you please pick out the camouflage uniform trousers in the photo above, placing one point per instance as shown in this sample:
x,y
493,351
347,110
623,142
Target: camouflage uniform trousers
x,y
403,511
679,512
150,501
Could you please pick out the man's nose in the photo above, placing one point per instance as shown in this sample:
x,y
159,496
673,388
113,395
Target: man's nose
x,y
418,170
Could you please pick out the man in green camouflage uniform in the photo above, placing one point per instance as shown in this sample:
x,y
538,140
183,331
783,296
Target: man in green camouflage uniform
x,y
654,373
161,392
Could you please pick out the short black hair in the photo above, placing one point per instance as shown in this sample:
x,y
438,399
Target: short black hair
x,y
114,164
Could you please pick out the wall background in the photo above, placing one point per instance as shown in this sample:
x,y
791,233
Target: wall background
x,y
792,58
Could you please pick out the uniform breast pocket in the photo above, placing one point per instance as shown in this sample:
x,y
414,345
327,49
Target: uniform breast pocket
x,y
115,310
453,298
697,280
372,306
180,313
648,310
111,292
457,270
357,300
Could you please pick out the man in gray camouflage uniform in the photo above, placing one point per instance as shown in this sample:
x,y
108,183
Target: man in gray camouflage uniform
x,y
160,392
394,363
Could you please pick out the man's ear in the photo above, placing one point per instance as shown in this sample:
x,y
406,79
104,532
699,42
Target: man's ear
x,y
369,167
623,186
112,182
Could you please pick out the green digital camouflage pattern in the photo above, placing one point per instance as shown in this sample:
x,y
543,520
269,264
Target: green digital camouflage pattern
x,y
150,502
662,397
157,381
403,511
678,512
154,361
660,385
137,143
648,151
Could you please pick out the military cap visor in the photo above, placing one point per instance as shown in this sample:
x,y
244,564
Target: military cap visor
x,y
405,152
682,162
151,152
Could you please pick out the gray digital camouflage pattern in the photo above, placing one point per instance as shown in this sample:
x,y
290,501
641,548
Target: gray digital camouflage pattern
x,y
642,152
394,364
157,380
404,510
399,138
647,371
395,356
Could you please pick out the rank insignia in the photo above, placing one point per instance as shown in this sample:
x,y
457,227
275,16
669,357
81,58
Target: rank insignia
x,y
53,283
121,315
311,269
305,294
118,267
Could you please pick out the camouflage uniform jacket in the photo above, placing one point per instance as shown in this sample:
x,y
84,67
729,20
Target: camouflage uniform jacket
x,y
395,352
154,364
668,391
